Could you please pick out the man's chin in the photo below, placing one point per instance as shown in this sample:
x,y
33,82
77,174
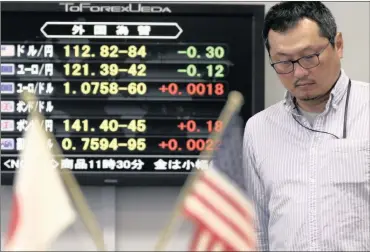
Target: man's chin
x,y
311,95
306,96
310,98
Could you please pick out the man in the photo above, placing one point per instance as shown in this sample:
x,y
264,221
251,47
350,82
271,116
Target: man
x,y
308,157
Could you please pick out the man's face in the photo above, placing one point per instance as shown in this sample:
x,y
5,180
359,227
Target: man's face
x,y
300,41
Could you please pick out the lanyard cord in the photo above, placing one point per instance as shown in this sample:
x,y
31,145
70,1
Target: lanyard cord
x,y
344,120
346,110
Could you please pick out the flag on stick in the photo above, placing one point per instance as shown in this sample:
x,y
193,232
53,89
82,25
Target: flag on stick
x,y
41,208
223,217
80,203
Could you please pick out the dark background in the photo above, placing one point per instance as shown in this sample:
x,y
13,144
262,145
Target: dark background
x,y
236,26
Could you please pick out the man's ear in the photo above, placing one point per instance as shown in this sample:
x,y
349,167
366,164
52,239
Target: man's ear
x,y
338,46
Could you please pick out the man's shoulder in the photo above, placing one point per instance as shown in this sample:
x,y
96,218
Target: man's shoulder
x,y
264,118
361,91
361,85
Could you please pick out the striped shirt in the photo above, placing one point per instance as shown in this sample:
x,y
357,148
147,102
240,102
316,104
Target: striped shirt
x,y
311,191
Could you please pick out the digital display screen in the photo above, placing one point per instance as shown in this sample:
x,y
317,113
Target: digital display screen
x,y
131,91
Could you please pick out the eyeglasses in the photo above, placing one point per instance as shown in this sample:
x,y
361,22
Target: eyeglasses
x,y
307,62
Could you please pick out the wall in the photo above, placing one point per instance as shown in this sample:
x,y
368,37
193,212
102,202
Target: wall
x,y
132,217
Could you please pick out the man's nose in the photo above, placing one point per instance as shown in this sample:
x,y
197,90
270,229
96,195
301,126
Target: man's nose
x,y
299,71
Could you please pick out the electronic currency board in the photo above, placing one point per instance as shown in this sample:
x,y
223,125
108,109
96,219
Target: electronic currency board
x,y
130,91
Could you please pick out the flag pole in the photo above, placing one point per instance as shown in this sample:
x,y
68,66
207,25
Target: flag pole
x,y
87,216
234,103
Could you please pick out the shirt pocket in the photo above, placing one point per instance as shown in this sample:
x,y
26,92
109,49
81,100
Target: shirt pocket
x,y
347,161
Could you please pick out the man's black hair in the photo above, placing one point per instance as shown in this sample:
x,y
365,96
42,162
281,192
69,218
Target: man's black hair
x,y
283,16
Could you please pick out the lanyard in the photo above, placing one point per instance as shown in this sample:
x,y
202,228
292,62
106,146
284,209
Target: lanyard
x,y
344,136
346,110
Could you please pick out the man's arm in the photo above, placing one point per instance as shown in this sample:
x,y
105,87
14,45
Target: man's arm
x,y
255,192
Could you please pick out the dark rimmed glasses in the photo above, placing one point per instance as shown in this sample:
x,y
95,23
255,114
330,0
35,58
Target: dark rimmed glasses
x,y
307,62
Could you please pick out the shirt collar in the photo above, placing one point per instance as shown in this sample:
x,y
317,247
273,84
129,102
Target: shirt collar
x,y
336,94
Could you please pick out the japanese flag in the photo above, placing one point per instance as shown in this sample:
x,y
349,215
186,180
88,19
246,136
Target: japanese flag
x,y
41,208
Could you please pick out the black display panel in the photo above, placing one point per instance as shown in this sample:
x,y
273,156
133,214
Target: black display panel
x,y
130,90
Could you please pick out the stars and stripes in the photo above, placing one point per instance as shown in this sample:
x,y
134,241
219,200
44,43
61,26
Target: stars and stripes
x,y
223,216
216,204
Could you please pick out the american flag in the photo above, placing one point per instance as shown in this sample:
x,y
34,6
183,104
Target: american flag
x,y
216,204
